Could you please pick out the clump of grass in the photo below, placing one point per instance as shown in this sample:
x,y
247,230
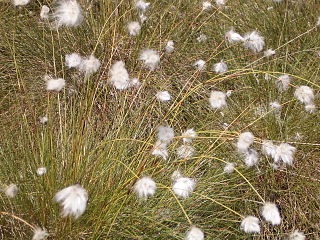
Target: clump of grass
x,y
102,138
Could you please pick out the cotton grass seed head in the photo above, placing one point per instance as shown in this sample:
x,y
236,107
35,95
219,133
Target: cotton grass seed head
x,y
304,94
202,38
194,234
39,234
55,84
269,53
244,141
73,60
268,148
165,134
233,37
297,235
200,65
163,96
145,187
250,224
160,150
11,191
142,5
229,168
41,171
44,13
217,99
183,187
119,76
189,135
20,2
68,13
150,59
169,47
89,65
185,151
206,5
270,213
254,41
134,28
284,153
73,201
43,120
220,67
283,82
251,158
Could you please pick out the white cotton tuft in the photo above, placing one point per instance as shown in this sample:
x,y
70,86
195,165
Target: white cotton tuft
x,y
160,150
284,153
254,41
217,99
11,191
165,134
39,234
202,38
170,46
89,65
318,22
220,67
183,187
310,108
134,82
283,82
206,5
297,235
73,200
134,28
250,224
251,158
188,135
44,13
194,234
304,94
68,13
43,120
142,5
270,213
142,18
73,60
150,58
175,175
221,3
41,171
185,151
269,53
145,187
55,84
275,105
268,148
200,65
233,36
244,141
119,76
229,168
20,2
163,96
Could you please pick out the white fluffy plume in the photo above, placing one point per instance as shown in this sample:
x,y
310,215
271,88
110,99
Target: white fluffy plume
x,y
217,99
134,28
20,2
229,168
39,234
185,151
142,5
269,53
145,187
233,36
220,3
251,157
194,234
11,190
165,134
244,141
183,186
297,235
284,153
304,94
250,224
200,65
54,84
189,135
119,76
73,200
169,47
44,13
220,67
41,171
163,96
68,13
270,213
150,58
283,82
202,38
89,65
268,148
160,150
73,60
206,5
254,41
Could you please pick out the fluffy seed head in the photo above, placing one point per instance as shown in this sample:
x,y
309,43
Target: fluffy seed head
x,y
220,67
43,120
20,2
134,28
310,108
188,135
202,38
170,46
68,13
11,190
269,53
165,134
220,3
233,37
251,157
250,224
41,171
185,151
183,187
200,65
270,213
217,99
89,65
142,5
73,200
145,187
268,148
304,94
160,150
297,235
284,153
283,82
73,60
194,234
150,58
55,84
206,5
119,76
244,141
229,168
40,234
254,41
163,96
44,13
275,105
